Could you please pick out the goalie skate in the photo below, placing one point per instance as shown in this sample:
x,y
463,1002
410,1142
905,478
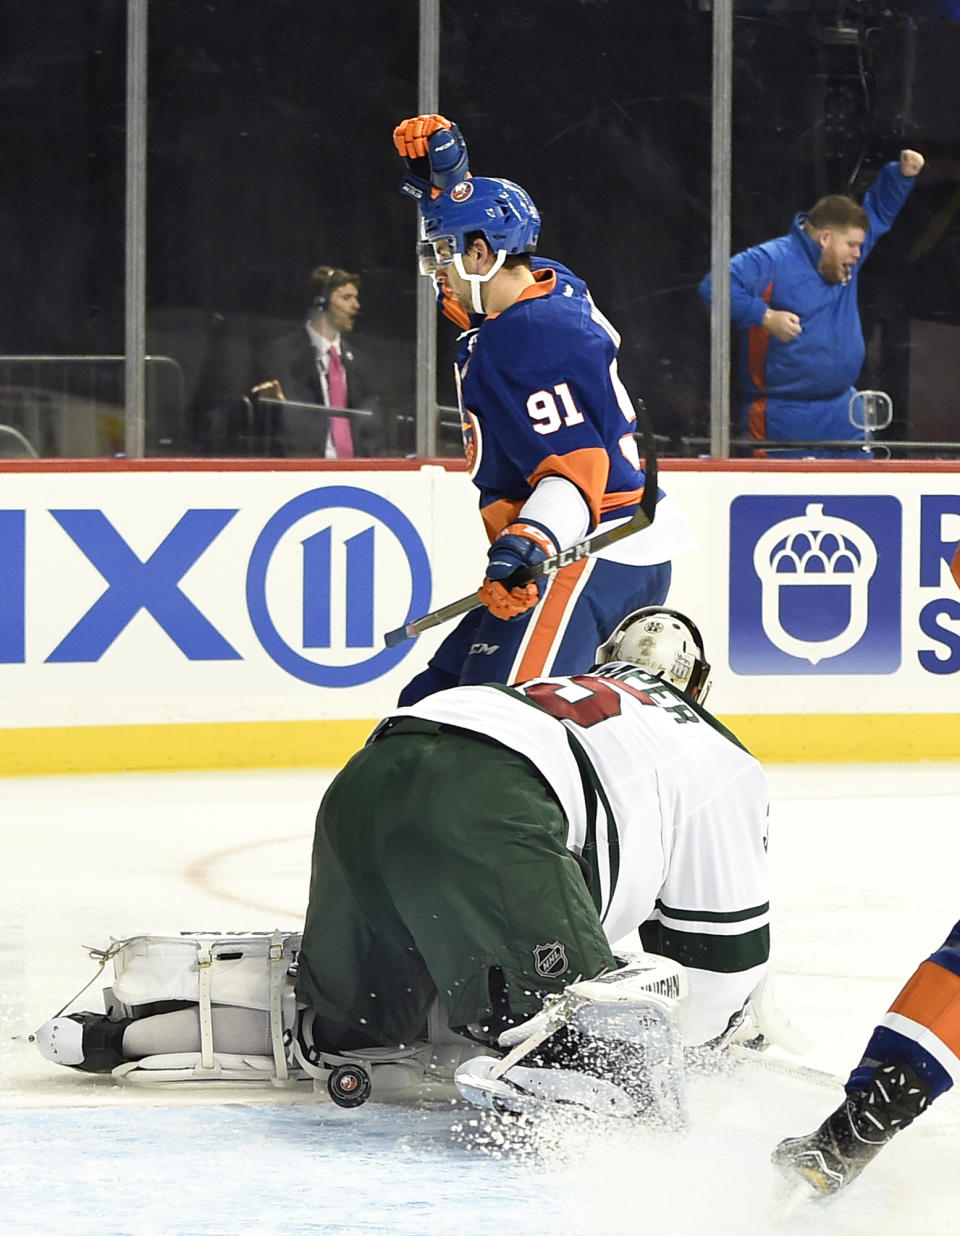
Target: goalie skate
x,y
610,1046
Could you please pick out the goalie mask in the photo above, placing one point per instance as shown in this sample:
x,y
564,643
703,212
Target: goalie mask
x,y
664,642
498,210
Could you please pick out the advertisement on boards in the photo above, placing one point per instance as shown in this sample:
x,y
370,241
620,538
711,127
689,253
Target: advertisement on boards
x,y
136,598
219,598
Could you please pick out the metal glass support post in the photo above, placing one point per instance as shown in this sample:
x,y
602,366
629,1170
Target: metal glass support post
x,y
720,229
135,232
428,95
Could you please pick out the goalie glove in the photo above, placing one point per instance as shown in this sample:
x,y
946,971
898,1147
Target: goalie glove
x,y
506,591
435,154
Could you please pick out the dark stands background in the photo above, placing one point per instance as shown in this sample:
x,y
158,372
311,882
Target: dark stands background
x,y
270,152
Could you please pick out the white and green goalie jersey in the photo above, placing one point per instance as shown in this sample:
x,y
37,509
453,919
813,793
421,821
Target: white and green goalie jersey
x,y
666,809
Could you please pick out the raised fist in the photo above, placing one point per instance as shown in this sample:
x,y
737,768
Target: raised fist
x,y
410,136
435,151
911,163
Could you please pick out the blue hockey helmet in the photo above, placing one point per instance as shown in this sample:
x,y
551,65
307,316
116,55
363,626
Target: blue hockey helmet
x,y
501,211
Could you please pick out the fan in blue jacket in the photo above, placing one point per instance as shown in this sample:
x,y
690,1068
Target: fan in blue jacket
x,y
795,301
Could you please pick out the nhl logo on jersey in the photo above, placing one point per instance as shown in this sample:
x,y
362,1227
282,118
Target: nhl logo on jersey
x,y
550,960
460,192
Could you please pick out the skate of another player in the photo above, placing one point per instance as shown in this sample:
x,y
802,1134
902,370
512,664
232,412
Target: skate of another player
x,y
88,857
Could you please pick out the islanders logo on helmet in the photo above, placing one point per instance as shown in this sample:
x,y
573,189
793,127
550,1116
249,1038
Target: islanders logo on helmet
x,y
500,210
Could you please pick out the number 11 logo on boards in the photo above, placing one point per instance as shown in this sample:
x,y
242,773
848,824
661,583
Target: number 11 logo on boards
x,y
322,549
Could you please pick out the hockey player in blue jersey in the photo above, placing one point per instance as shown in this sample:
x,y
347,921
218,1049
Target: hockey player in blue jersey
x,y
548,429
913,1057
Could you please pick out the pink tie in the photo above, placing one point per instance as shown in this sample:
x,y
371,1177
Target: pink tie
x,y
337,396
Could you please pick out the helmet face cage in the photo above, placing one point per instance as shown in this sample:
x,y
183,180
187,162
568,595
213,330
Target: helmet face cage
x,y
427,261
665,642
433,254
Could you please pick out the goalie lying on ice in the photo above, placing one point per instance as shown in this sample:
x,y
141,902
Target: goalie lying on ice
x,y
489,845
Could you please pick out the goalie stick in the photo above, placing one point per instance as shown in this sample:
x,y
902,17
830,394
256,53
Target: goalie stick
x,y
642,518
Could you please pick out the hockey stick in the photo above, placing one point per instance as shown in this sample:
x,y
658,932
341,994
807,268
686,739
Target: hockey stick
x,y
642,518
743,1054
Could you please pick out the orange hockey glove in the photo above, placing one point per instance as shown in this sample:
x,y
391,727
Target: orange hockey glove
x,y
506,604
435,153
506,591
411,136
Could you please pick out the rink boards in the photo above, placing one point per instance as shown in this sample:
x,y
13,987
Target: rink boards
x,y
165,614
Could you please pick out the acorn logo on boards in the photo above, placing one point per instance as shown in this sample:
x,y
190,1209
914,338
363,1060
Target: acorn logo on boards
x,y
815,584
814,550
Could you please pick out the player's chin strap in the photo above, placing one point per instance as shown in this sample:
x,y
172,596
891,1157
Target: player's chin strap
x,y
476,281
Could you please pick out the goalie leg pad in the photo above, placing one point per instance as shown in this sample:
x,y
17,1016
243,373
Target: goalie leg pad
x,y
236,1031
222,1008
242,972
239,974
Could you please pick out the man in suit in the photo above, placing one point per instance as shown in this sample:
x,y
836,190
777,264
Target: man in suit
x,y
315,364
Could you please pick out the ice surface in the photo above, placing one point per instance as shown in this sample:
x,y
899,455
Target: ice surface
x,y
864,863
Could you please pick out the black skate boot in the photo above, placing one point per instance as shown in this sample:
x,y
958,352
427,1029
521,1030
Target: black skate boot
x,y
88,1041
856,1132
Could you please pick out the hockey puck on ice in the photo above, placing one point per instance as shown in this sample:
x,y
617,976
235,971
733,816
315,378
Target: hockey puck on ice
x,y
349,1085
